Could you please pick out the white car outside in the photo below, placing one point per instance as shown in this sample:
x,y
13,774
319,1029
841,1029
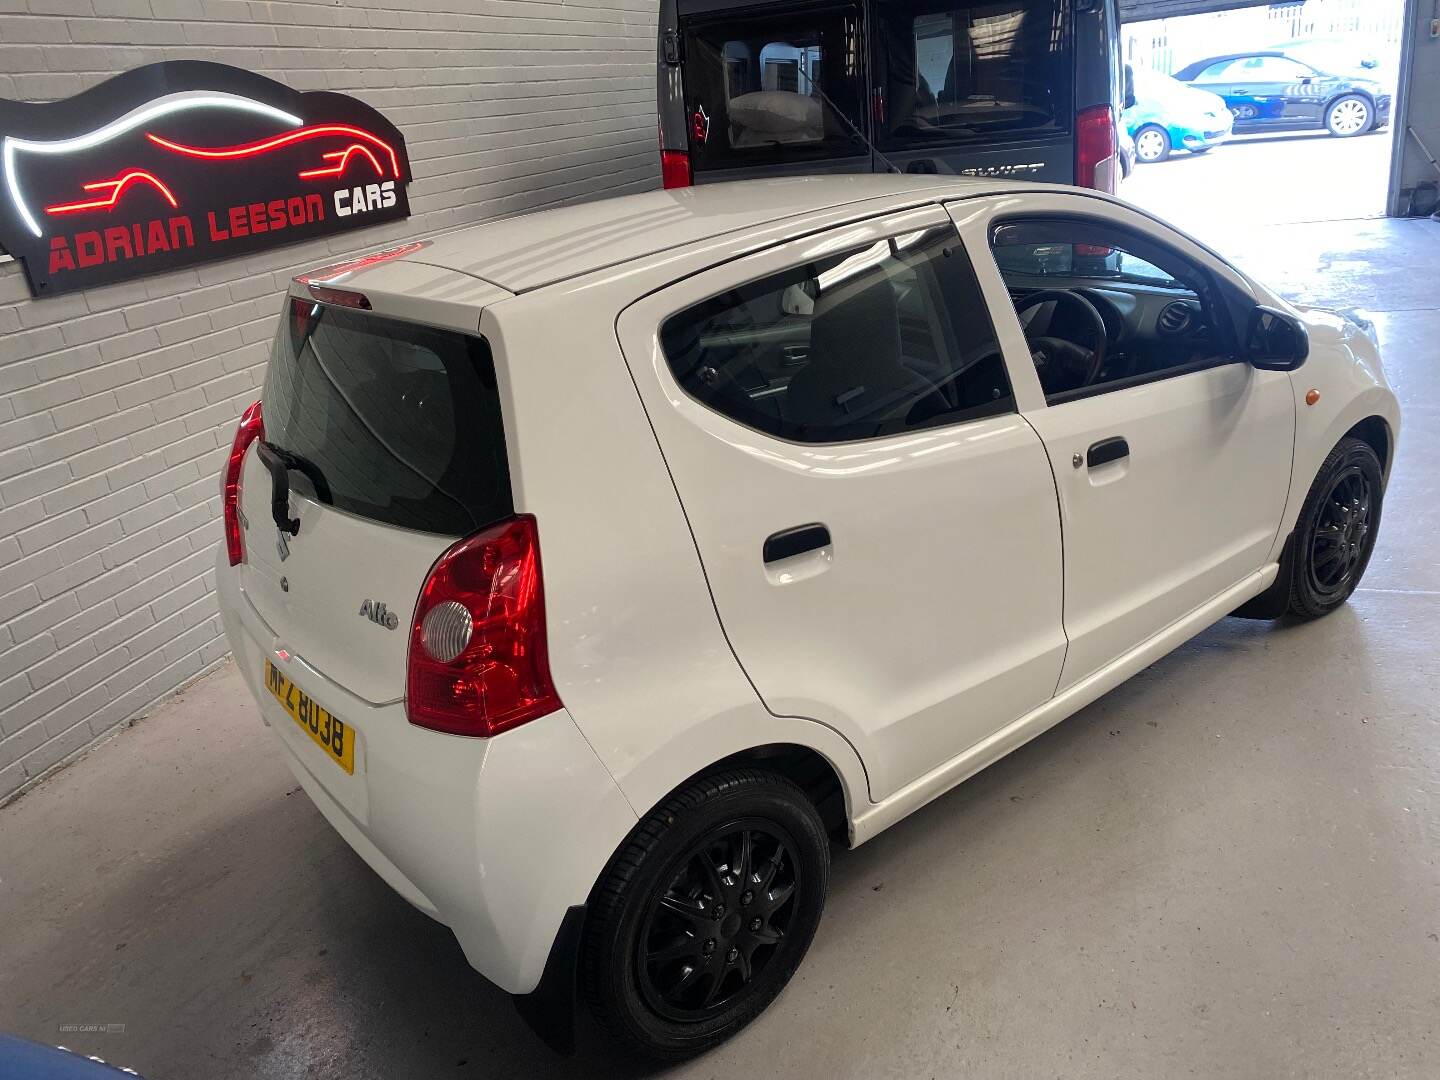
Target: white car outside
x,y
591,567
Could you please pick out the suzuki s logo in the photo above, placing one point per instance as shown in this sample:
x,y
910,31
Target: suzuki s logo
x,y
379,614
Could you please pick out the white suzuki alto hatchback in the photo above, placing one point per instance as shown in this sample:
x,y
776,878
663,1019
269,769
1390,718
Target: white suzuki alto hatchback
x,y
595,568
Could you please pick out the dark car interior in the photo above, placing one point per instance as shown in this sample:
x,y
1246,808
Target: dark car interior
x,y
1096,314
890,338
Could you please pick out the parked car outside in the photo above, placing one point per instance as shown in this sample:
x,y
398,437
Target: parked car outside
x,y
592,589
1169,116
1273,91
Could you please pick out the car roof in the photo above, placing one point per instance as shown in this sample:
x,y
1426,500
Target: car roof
x,y
1190,70
531,251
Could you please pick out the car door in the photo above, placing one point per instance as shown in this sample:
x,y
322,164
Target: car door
x,y
1237,81
1173,463
1290,92
877,524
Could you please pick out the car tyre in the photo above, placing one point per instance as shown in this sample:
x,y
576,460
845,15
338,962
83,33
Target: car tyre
x,y
693,929
1152,144
1349,116
1336,533
1199,150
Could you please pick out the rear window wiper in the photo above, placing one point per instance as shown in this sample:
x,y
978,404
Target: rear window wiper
x,y
280,462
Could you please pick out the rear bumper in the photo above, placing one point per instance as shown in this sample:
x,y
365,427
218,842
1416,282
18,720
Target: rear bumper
x,y
496,838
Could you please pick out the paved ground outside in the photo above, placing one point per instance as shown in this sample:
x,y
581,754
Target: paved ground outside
x,y
1259,180
1227,868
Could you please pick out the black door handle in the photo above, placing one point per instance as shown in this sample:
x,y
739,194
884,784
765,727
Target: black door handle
x,y
1106,451
788,543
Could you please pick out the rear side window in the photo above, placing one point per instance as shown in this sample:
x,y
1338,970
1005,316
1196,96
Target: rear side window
x,y
763,87
972,70
400,422
877,341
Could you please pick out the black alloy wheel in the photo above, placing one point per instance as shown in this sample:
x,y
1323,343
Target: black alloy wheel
x,y
1337,529
704,913
720,920
1340,542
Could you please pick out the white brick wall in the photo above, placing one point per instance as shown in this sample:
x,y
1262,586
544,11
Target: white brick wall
x,y
117,405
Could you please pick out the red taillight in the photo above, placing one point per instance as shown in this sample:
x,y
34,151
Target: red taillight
x,y
675,169
252,427
1096,149
478,663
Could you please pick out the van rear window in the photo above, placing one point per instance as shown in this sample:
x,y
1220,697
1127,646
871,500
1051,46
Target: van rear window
x,y
401,421
764,86
961,71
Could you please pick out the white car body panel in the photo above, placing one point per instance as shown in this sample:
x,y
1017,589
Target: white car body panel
x,y
1194,507
946,539
666,638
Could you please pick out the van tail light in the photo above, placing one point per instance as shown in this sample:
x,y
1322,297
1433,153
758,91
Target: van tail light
x,y
675,169
252,427
478,664
1097,146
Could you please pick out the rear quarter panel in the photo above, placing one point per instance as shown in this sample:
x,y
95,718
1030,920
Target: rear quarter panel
x,y
636,648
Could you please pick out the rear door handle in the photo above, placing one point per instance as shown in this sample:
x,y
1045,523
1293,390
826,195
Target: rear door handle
x,y
1106,451
788,543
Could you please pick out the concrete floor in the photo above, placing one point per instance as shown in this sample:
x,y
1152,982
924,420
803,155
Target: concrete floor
x,y
1228,868
1268,179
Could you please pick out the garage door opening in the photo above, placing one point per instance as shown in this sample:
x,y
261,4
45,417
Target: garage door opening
x,y
1271,114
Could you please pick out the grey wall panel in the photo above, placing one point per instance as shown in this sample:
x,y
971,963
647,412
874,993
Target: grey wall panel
x,y
1420,108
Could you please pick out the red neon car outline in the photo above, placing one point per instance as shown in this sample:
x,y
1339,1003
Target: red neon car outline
x,y
116,186
263,145
126,180
344,156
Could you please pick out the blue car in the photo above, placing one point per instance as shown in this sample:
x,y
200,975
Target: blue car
x,y
1274,91
1169,116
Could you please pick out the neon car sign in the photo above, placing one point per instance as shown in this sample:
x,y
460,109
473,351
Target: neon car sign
x,y
187,161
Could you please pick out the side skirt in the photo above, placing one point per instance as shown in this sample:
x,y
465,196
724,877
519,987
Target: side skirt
x,y
880,816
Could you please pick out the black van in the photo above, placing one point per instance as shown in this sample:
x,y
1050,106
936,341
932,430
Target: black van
x,y
1025,89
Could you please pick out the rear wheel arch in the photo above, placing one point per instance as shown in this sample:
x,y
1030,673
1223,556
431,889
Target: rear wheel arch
x,y
820,779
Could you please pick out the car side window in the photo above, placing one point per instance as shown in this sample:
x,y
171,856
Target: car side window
x,y
875,341
1103,309
1276,69
1220,72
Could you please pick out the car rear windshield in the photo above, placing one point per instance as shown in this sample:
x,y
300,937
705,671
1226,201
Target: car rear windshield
x,y
771,84
966,70
394,421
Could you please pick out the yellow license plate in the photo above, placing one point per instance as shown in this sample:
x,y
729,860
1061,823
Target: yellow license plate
x,y
326,730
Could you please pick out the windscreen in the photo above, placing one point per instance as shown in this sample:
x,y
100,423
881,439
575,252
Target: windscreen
x,y
772,84
390,420
963,70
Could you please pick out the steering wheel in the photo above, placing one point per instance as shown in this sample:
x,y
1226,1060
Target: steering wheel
x,y
1044,349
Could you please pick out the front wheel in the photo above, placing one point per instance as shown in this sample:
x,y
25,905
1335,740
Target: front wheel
x,y
1336,533
1349,116
1152,144
705,913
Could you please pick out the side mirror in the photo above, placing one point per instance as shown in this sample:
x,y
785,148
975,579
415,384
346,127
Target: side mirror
x,y
1129,87
1276,341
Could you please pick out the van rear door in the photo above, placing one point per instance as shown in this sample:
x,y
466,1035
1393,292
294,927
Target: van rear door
x,y
770,89
388,435
983,87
